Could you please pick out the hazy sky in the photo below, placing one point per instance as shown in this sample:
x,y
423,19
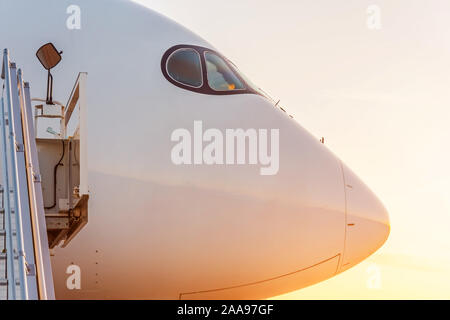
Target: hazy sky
x,y
381,99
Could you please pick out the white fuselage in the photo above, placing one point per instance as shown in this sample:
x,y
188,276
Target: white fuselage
x,y
158,230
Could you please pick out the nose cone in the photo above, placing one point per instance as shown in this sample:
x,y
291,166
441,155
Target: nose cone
x,y
367,221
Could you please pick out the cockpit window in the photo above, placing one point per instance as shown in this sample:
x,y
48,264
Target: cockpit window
x,y
184,66
205,71
219,74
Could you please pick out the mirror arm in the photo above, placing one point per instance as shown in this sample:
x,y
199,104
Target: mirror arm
x,y
49,88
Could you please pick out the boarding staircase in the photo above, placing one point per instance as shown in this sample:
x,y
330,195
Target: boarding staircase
x,y
28,229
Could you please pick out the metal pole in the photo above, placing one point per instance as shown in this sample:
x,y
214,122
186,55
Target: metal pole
x,y
12,147
42,252
7,212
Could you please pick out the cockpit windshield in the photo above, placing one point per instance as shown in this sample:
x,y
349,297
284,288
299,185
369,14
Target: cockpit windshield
x,y
184,66
220,76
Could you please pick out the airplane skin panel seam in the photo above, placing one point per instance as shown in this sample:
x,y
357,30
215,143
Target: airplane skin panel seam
x,y
338,264
262,281
345,217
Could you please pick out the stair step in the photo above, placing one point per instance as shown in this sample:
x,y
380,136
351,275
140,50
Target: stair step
x,y
4,282
2,211
3,256
3,232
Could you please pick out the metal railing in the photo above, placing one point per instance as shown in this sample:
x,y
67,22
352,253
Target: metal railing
x,y
26,248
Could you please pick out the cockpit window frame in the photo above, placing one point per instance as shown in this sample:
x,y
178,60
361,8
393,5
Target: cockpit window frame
x,y
205,88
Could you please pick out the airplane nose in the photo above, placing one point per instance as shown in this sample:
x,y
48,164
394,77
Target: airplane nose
x,y
367,220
